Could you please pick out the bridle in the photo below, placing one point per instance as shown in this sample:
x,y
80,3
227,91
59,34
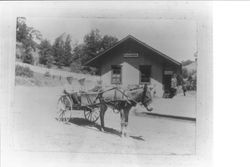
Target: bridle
x,y
143,101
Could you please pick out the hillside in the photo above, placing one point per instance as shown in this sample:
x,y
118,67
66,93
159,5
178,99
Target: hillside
x,y
49,77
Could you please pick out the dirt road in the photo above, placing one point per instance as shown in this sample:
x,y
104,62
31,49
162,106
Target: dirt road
x,y
34,128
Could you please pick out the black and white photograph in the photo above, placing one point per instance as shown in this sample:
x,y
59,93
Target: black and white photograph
x,y
111,79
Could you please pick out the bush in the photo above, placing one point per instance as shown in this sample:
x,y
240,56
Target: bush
x,y
24,71
76,67
28,58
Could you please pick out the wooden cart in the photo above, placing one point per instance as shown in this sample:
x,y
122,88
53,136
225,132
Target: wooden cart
x,y
90,105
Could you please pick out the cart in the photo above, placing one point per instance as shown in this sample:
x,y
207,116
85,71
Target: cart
x,y
90,105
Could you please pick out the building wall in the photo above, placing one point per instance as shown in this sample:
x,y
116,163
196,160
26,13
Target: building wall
x,y
130,67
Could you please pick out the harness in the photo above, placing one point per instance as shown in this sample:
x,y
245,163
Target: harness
x,y
124,97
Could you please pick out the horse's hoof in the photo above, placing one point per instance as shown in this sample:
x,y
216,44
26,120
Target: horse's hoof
x,y
124,135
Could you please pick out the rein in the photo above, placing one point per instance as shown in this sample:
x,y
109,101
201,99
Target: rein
x,y
128,99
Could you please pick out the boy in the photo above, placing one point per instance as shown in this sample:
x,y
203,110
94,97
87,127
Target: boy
x,y
70,90
173,88
82,87
184,87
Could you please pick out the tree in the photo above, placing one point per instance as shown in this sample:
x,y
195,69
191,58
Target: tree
x,y
21,29
186,62
92,42
67,56
76,66
62,50
27,58
108,41
27,36
45,53
24,32
58,50
79,53
185,73
95,43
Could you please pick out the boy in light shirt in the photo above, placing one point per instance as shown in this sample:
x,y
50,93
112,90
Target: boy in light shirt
x,y
82,87
70,89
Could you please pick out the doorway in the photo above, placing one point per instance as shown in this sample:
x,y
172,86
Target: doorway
x,y
167,82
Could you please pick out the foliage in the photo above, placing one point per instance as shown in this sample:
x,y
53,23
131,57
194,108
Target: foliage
x,y
67,51
79,54
24,32
93,44
179,79
107,42
76,67
23,71
184,73
45,53
190,77
186,62
27,58
27,36
62,51
58,51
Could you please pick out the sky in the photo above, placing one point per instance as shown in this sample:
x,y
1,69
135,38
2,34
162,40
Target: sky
x,y
175,38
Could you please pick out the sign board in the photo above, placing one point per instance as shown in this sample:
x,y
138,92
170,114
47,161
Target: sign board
x,y
131,55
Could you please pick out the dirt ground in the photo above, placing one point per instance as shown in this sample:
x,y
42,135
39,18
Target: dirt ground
x,y
34,128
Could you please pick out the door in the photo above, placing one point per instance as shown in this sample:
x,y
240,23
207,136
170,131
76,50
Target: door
x,y
167,82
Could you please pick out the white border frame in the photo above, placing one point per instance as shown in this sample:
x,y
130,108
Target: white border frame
x,y
198,11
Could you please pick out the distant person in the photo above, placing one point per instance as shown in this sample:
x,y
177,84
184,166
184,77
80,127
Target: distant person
x,y
71,90
82,87
173,88
184,87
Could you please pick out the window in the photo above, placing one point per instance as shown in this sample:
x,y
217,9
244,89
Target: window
x,y
145,74
116,75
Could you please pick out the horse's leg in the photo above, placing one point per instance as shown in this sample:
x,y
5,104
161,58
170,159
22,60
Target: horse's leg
x,y
103,109
126,114
122,114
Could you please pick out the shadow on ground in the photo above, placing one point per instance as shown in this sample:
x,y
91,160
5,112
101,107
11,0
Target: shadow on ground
x,y
86,123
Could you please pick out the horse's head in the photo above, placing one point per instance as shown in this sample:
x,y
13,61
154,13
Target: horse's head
x,y
146,98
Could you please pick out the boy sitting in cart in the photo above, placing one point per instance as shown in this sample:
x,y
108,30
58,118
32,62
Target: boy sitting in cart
x,y
72,91
82,88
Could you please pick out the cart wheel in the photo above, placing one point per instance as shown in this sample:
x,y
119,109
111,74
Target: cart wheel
x,y
64,107
92,114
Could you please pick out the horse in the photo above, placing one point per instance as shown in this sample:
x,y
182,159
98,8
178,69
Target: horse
x,y
122,101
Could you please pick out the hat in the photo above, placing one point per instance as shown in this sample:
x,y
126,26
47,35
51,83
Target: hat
x,y
82,79
69,77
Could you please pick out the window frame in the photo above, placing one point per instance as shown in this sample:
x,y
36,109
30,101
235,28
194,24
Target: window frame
x,y
140,77
112,73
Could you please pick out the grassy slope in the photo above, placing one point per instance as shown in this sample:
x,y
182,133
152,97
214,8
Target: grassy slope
x,y
39,80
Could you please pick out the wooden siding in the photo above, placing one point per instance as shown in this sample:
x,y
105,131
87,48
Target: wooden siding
x,y
130,65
